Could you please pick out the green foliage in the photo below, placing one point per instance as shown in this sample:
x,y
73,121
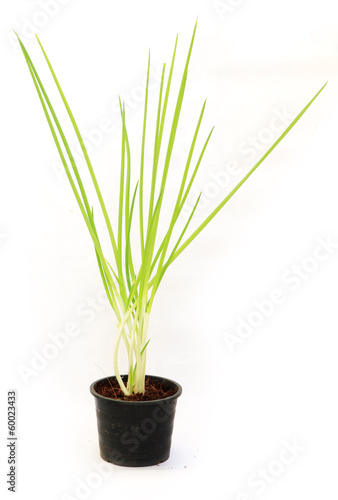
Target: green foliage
x,y
131,292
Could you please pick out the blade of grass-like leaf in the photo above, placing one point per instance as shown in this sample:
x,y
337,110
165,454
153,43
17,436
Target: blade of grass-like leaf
x,y
130,273
186,225
142,160
58,126
128,212
151,283
174,125
40,90
165,102
191,152
64,140
187,191
177,113
110,294
142,278
112,270
230,195
105,281
127,187
121,205
159,131
85,210
144,348
83,148
178,205
148,252
155,282
156,148
179,209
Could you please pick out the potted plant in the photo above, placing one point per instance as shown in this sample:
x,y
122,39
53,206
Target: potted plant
x,y
135,411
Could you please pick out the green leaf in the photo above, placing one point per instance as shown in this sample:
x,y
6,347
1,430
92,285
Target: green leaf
x,y
83,148
230,195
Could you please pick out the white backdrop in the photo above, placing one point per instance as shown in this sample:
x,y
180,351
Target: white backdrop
x,y
245,319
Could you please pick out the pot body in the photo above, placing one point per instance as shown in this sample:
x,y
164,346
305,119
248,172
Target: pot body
x,y
135,433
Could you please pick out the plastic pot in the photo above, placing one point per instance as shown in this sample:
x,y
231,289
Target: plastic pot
x,y
135,433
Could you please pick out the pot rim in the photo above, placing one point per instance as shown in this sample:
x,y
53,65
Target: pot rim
x,y
121,401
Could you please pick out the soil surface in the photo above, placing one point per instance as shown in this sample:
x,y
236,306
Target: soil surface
x,y
153,390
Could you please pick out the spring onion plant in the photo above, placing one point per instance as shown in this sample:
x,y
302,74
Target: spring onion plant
x,y
130,290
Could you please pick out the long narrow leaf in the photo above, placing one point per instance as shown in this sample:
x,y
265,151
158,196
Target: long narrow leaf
x,y
155,282
121,206
130,272
230,195
156,151
85,210
142,160
179,203
83,148
174,126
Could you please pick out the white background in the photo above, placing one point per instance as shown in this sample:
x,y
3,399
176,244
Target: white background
x,y
254,60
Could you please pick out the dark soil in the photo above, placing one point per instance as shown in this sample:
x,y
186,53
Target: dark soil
x,y
153,390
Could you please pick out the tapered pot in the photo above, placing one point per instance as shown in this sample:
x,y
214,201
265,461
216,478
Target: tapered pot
x,y
135,433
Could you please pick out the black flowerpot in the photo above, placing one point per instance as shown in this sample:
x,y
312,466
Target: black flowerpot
x,y
135,433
